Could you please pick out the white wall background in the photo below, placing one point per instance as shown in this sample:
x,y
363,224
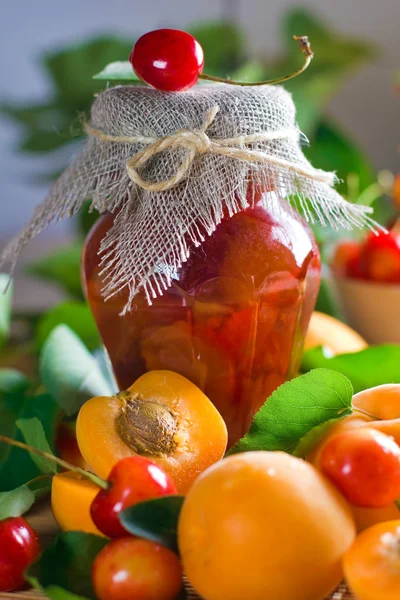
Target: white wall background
x,y
368,104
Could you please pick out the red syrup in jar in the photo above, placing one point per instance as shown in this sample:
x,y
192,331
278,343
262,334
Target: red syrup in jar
x,y
234,320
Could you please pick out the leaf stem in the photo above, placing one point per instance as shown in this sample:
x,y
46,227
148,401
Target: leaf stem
x,y
306,50
366,413
38,478
59,461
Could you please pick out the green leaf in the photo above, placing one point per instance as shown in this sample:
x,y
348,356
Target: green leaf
x,y
54,592
120,70
69,372
71,68
223,45
335,57
17,467
77,316
34,435
373,366
40,487
250,71
13,382
61,267
67,564
312,438
155,520
295,408
45,141
16,502
333,150
5,307
13,385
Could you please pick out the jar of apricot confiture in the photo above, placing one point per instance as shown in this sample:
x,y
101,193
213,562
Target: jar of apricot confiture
x,y
200,263
233,320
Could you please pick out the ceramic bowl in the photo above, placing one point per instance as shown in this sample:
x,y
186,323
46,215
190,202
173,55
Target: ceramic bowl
x,y
372,309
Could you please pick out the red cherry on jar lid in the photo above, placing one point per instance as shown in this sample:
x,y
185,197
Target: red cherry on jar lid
x,y
168,59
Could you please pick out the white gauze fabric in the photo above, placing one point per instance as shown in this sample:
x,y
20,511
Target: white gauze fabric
x,y
172,164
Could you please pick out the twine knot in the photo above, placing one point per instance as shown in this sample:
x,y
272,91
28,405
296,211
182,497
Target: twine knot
x,y
196,141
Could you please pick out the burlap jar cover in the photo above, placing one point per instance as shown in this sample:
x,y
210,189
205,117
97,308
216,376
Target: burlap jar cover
x,y
171,164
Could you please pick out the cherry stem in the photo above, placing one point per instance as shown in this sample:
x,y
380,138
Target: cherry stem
x,y
59,461
397,503
306,50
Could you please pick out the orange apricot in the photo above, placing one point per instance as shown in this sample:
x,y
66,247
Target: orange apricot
x,y
381,402
334,335
71,498
264,525
372,564
162,416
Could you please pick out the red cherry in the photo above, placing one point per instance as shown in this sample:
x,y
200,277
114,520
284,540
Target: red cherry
x,y
168,59
134,569
365,465
132,480
19,547
346,253
380,257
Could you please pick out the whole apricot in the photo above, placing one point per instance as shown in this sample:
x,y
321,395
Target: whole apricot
x,y
372,564
264,525
332,334
380,402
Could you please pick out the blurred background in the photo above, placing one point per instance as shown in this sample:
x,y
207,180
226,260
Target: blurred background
x,y
348,101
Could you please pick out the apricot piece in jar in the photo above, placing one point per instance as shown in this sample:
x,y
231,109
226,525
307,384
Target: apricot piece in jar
x,y
162,416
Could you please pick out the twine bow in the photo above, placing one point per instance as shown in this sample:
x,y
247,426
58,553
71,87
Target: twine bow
x,y
196,142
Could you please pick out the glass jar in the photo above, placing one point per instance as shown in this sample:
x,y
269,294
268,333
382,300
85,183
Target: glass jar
x,y
234,320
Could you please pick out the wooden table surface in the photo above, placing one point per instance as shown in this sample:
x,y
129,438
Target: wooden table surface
x,y
42,521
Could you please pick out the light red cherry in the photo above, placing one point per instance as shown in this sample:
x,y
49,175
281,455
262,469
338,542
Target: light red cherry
x,y
135,569
133,479
365,465
19,547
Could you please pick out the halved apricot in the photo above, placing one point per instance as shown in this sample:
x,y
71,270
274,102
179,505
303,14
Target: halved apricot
x,y
71,497
162,416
